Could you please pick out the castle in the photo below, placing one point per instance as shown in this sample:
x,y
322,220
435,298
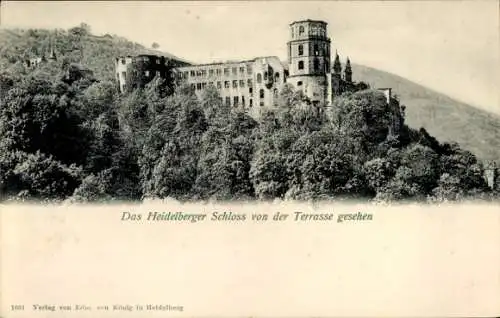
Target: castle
x,y
252,85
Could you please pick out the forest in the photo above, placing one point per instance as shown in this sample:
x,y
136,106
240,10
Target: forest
x,y
66,134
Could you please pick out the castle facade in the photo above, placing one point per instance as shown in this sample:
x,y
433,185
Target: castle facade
x,y
253,85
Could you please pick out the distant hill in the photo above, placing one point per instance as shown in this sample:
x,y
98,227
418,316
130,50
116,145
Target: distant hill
x,y
448,120
445,118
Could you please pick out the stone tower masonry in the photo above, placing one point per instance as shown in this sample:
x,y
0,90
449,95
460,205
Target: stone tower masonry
x,y
309,58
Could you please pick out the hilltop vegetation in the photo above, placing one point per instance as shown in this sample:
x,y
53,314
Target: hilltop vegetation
x,y
66,134
76,45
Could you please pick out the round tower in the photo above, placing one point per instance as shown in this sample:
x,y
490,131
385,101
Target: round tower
x,y
309,58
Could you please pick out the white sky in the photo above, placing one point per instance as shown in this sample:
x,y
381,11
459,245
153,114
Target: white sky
x,y
449,46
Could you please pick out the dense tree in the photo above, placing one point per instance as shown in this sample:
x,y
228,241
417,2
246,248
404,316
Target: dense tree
x,y
82,30
67,133
38,115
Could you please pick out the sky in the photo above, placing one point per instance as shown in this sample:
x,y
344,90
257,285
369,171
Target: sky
x,y
450,46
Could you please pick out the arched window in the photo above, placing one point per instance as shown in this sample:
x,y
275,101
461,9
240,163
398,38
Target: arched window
x,y
301,49
261,93
301,30
277,76
301,65
316,65
259,78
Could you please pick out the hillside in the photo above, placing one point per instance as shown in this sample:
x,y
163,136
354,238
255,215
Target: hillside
x,y
77,45
445,118
449,120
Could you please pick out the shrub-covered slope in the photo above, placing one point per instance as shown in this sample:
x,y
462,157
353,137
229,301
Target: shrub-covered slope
x,y
445,118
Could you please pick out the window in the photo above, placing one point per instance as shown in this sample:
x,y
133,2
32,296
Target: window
x,y
235,84
316,65
301,50
249,83
159,74
226,71
186,74
211,72
203,85
123,87
301,65
251,102
124,75
219,84
299,83
157,61
123,61
277,76
192,73
301,30
235,71
242,70
250,90
228,101
242,100
261,104
218,71
226,84
242,83
198,86
235,101
275,92
265,76
261,93
327,65
249,69
203,72
259,78
193,86
316,50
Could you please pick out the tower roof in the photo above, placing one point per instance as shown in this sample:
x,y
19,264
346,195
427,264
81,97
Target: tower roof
x,y
337,68
308,20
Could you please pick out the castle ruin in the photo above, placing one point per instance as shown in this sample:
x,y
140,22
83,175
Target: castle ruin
x,y
253,85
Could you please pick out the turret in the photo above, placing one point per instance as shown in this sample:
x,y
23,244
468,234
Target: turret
x,y
348,72
337,68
